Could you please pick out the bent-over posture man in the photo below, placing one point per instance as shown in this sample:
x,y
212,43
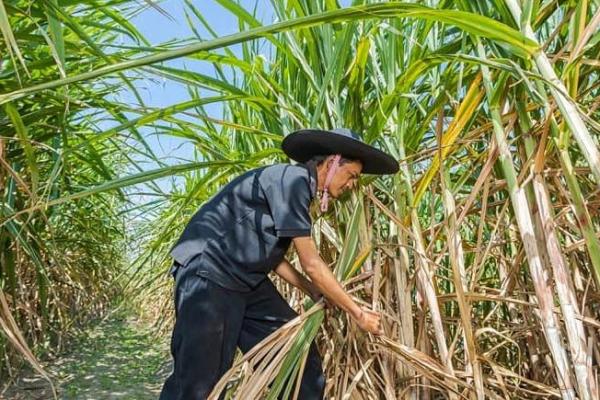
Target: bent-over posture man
x,y
223,297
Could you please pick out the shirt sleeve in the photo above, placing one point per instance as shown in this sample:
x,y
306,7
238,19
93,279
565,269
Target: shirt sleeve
x,y
287,192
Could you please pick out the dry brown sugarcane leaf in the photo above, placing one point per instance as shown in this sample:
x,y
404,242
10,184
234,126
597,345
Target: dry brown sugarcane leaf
x,y
265,358
299,377
546,390
363,369
502,385
14,335
260,384
423,363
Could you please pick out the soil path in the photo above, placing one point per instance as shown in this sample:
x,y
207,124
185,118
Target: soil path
x,y
118,358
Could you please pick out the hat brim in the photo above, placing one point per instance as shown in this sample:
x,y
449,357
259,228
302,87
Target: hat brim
x,y
304,144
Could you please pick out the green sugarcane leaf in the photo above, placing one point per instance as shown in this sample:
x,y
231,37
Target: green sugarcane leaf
x,y
352,240
9,37
25,142
288,371
472,23
240,12
57,41
127,181
528,6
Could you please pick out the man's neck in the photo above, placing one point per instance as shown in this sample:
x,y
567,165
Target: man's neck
x,y
321,176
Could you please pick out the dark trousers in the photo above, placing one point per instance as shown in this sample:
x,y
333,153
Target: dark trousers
x,y
212,321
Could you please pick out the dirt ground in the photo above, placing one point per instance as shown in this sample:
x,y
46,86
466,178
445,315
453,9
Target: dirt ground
x,y
118,358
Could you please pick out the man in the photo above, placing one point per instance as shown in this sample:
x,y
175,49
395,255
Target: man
x,y
223,297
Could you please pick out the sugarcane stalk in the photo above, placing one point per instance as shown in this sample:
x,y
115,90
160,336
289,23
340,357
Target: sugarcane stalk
x,y
582,362
460,285
560,93
425,275
403,292
563,136
525,224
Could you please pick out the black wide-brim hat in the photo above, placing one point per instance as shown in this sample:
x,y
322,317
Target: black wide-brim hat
x,y
304,144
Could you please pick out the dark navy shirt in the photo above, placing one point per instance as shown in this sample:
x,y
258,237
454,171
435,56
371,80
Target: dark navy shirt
x,y
244,231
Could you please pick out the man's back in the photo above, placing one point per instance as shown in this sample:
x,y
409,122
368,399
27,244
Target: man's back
x,y
241,233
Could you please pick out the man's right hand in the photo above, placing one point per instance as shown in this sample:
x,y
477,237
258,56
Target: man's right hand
x,y
370,321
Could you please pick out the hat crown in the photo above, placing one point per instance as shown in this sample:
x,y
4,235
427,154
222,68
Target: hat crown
x,y
346,132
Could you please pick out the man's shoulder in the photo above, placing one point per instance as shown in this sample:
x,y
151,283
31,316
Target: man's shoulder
x,y
285,171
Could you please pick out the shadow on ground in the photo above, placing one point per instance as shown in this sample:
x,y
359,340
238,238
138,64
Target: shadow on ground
x,y
117,359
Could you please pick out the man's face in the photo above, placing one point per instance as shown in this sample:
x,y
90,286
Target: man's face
x,y
345,178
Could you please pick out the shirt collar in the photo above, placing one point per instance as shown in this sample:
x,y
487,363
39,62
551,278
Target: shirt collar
x,y
312,177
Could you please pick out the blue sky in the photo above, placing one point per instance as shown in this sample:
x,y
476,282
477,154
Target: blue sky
x,y
158,28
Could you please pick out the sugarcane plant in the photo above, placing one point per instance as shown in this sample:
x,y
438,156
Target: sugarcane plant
x,y
60,259
482,253
473,151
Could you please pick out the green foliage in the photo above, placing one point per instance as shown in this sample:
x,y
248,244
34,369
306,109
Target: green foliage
x,y
405,74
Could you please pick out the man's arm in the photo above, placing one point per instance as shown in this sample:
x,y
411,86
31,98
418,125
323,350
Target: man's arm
x,y
295,278
324,280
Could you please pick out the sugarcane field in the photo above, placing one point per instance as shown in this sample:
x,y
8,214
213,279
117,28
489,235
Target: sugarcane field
x,y
299,199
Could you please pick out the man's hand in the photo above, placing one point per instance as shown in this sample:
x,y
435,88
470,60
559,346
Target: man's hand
x,y
370,321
